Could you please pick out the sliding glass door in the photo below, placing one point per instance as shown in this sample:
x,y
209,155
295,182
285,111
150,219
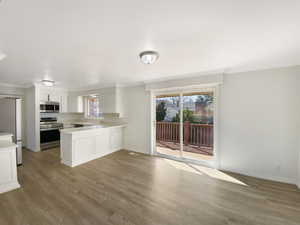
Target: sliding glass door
x,y
167,126
198,123
184,125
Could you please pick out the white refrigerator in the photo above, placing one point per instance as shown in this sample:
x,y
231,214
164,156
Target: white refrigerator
x,y
11,121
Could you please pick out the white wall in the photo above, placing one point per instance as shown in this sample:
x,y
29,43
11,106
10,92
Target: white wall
x,y
298,183
121,101
259,118
136,102
32,119
11,90
259,125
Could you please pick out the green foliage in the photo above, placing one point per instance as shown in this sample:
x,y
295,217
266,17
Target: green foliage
x,y
205,99
161,111
188,115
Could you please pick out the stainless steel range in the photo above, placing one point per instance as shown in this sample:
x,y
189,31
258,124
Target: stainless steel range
x,y
49,132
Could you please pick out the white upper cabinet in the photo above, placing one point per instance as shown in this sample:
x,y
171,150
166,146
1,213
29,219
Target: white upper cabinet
x,y
50,94
64,103
43,96
55,95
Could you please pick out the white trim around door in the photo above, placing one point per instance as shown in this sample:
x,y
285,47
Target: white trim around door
x,y
214,163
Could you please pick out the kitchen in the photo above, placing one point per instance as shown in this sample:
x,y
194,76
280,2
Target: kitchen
x,y
41,125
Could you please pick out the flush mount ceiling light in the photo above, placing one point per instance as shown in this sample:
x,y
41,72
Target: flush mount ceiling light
x,y
148,57
48,83
2,55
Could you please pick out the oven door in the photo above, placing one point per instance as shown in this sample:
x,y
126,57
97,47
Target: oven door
x,y
49,138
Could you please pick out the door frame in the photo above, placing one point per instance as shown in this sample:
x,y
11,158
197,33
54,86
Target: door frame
x,y
215,162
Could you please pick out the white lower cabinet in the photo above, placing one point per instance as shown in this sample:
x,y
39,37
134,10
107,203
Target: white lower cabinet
x,y
6,137
102,142
84,149
8,167
78,147
116,139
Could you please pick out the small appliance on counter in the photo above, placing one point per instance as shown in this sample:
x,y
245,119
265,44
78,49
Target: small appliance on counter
x,y
49,132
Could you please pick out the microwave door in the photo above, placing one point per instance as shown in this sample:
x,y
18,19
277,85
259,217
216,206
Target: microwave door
x,y
49,108
42,108
56,108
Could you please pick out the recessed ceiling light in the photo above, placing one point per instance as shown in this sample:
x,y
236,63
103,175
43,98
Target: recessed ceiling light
x,y
48,83
148,57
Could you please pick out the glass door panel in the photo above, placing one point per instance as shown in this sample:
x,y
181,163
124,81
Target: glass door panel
x,y
198,123
168,125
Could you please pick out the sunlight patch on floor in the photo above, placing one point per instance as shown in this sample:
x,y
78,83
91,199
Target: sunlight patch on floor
x,y
189,155
182,166
201,170
217,174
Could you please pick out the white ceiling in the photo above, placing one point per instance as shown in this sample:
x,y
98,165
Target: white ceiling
x,y
81,43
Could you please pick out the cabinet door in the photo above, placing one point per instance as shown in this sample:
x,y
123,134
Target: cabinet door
x,y
64,103
116,139
55,98
84,149
102,140
44,96
8,166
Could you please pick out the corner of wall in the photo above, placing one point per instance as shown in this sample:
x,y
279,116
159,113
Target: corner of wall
x,y
32,119
298,178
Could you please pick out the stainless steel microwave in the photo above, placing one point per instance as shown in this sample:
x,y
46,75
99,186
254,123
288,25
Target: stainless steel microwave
x,y
49,107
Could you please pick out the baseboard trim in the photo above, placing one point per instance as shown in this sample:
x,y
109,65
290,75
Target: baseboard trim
x,y
132,150
67,163
74,163
287,180
9,187
30,149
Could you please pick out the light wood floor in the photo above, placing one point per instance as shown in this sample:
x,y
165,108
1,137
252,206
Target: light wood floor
x,y
139,190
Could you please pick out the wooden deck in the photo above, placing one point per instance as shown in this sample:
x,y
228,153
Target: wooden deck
x,y
200,135
134,189
186,148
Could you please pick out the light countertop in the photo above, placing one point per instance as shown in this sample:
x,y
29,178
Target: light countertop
x,y
87,128
70,124
5,134
79,122
6,144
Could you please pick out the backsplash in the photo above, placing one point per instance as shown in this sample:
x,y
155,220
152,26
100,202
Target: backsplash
x,y
112,118
70,117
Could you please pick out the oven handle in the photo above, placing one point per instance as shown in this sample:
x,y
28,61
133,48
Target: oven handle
x,y
46,129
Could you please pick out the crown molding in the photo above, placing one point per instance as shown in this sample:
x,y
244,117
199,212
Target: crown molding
x,y
92,87
14,85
